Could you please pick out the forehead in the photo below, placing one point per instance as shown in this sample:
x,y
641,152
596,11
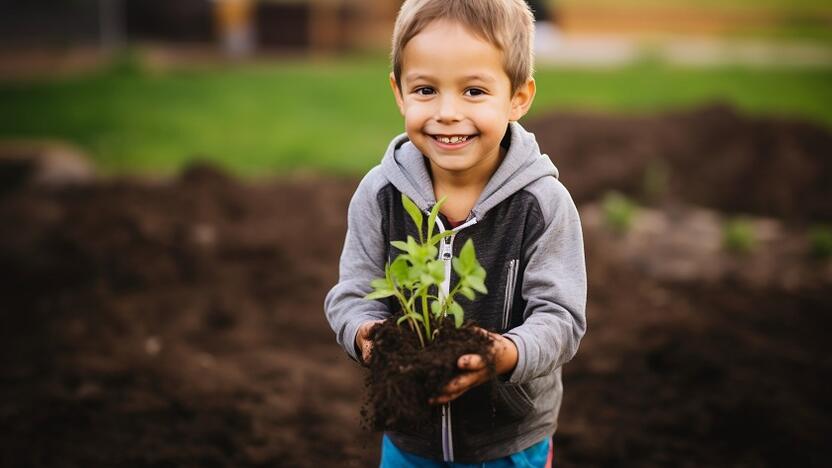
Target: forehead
x,y
446,49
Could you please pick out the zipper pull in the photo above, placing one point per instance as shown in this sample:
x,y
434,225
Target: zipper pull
x,y
447,251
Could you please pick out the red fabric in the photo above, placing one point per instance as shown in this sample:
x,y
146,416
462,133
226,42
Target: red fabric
x,y
550,458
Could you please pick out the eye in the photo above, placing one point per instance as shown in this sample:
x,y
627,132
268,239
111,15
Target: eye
x,y
424,91
474,92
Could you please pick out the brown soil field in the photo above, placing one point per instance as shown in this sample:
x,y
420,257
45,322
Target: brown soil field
x,y
713,157
180,323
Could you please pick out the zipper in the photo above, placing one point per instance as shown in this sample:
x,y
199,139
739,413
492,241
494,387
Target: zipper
x,y
446,254
447,434
511,281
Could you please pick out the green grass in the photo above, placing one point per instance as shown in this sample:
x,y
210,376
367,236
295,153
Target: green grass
x,y
337,116
325,116
651,87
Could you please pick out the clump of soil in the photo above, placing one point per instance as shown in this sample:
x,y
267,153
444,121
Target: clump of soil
x,y
403,377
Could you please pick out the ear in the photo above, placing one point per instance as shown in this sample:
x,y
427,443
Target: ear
x,y
522,100
397,93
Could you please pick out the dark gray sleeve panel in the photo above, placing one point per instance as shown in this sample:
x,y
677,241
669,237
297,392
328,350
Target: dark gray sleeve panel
x,y
554,286
362,260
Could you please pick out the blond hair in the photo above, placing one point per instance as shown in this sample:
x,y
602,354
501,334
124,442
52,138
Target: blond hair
x,y
507,24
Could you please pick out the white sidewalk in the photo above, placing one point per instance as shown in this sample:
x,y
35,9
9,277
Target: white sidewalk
x,y
553,48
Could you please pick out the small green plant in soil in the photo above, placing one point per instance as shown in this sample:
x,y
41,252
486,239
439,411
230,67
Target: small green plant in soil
x,y
820,242
412,276
415,352
619,212
738,236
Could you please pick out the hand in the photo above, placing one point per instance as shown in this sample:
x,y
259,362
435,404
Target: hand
x,y
363,343
475,371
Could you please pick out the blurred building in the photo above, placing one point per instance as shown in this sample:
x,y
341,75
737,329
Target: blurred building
x,y
239,25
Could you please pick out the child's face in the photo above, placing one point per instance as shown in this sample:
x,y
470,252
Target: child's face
x,y
456,99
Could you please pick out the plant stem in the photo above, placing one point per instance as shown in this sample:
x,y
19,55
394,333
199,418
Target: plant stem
x,y
419,334
402,301
408,311
412,324
426,314
448,299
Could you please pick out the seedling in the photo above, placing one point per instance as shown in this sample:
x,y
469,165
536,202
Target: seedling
x,y
415,277
619,212
820,242
738,236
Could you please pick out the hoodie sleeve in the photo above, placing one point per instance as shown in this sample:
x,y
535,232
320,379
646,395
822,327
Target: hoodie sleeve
x,y
362,260
554,286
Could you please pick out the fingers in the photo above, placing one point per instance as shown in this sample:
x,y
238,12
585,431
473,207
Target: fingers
x,y
460,385
476,374
363,341
471,362
366,350
485,332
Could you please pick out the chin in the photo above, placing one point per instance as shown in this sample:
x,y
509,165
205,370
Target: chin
x,y
450,166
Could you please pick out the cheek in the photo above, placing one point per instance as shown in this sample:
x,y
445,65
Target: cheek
x,y
416,116
492,120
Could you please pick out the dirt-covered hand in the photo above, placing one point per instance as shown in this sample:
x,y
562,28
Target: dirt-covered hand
x,y
476,371
363,343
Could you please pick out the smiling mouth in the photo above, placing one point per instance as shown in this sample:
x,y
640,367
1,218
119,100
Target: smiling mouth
x,y
452,139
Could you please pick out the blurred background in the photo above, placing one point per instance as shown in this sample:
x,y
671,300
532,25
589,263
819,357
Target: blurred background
x,y
147,85
174,177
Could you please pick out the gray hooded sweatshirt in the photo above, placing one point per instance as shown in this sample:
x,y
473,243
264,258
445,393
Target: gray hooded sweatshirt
x,y
527,234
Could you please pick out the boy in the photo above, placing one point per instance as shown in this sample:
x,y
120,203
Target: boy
x,y
462,77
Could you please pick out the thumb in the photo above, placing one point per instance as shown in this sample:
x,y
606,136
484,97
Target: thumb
x,y
471,362
366,350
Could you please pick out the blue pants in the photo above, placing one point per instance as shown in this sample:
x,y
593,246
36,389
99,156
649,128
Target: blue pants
x,y
535,456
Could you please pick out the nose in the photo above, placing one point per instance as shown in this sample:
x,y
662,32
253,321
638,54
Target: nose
x,y
448,110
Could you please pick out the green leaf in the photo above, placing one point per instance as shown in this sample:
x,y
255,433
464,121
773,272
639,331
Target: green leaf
x,y
412,247
380,294
401,245
414,273
380,283
436,308
434,212
415,214
436,269
401,319
456,310
459,268
467,292
439,236
479,271
477,284
420,255
399,269
467,255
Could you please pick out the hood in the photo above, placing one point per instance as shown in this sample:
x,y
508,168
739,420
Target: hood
x,y
404,166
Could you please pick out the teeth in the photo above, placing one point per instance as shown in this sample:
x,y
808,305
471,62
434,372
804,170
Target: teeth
x,y
453,139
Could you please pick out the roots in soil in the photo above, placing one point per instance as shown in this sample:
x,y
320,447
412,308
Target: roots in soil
x,y
403,377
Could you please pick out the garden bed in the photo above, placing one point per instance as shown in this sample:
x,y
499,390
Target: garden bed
x,y
180,323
